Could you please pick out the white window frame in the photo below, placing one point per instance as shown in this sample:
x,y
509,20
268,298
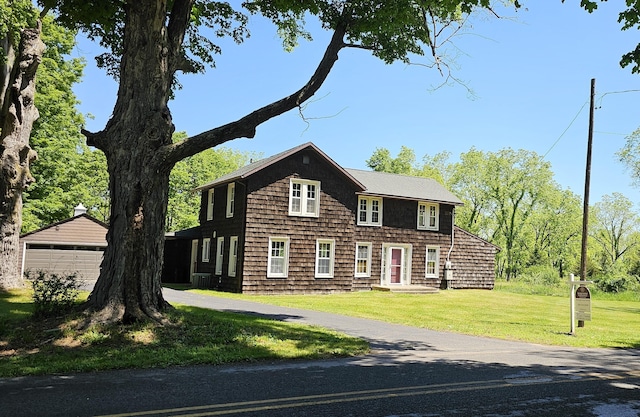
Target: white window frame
x,y
233,255
210,195
231,198
284,257
331,257
219,255
436,262
424,222
407,264
206,249
368,211
304,198
367,273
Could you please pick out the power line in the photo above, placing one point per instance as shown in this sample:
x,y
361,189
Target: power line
x,y
580,111
615,92
565,131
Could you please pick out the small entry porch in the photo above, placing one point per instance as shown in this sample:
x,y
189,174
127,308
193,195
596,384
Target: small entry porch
x,y
406,289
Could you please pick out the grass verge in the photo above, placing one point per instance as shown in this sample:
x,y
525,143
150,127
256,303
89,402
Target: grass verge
x,y
196,336
502,314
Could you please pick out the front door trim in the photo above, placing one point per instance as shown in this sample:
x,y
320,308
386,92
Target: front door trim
x,y
388,249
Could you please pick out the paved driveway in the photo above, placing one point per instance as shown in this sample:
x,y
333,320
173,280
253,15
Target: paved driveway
x,y
392,343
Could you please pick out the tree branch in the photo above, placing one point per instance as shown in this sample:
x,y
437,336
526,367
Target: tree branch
x,y
176,29
246,126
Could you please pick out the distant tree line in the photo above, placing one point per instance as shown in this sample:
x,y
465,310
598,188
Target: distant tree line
x,y
511,199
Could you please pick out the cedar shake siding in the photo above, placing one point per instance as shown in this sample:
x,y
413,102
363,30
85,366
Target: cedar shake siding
x,y
277,250
473,261
225,227
399,218
268,203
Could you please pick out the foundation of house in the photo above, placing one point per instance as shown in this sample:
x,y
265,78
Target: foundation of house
x,y
406,289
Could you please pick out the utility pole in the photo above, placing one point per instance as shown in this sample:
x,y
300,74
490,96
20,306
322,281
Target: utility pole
x,y
587,181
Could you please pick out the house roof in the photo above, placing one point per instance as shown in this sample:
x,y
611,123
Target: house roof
x,y
190,233
404,186
369,182
254,167
78,229
474,236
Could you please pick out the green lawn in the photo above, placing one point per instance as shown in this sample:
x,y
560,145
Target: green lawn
x,y
500,314
196,336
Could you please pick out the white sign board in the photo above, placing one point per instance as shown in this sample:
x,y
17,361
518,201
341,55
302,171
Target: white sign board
x,y
583,304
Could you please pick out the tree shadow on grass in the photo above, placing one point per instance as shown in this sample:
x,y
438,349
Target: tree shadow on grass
x,y
14,304
196,336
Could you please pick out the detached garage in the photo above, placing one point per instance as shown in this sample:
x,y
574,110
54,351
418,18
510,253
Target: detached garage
x,y
72,245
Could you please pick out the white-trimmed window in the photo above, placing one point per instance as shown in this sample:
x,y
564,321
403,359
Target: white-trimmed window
x,y
219,255
428,215
304,198
233,255
210,204
278,263
363,260
206,249
432,262
369,211
325,249
231,198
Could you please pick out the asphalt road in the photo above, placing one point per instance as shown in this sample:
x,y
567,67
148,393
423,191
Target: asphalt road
x,y
411,372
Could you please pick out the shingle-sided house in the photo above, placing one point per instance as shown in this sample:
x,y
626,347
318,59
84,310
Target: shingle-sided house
x,y
297,222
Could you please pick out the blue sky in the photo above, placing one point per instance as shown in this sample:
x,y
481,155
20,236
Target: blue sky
x,y
530,73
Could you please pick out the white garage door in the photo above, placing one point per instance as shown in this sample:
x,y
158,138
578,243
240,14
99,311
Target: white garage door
x,y
65,259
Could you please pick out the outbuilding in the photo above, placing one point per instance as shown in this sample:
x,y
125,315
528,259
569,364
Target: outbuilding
x,y
72,245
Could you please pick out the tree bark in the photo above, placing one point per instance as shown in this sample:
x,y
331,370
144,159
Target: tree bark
x,y
128,288
140,155
18,115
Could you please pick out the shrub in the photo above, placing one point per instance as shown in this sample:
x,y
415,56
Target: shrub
x,y
540,275
53,294
613,284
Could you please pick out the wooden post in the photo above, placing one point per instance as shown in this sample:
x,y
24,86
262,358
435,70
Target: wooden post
x,y
587,181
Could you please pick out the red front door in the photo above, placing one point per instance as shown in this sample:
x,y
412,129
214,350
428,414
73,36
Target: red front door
x,y
395,266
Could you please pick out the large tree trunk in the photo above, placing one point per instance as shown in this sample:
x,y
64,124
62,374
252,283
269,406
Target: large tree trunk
x,y
128,288
140,155
18,112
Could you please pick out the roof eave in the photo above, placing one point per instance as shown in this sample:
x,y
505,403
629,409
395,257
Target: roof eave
x,y
280,157
401,197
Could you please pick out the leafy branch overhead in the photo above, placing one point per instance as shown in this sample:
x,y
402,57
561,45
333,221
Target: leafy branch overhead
x,y
629,18
149,43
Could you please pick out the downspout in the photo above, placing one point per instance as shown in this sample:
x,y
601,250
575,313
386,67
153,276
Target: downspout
x,y
453,226
448,270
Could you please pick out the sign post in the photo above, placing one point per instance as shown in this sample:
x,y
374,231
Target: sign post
x,y
580,302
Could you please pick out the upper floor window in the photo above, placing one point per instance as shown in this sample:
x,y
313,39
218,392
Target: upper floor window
x,y
369,211
231,197
210,205
278,261
324,258
304,198
428,216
